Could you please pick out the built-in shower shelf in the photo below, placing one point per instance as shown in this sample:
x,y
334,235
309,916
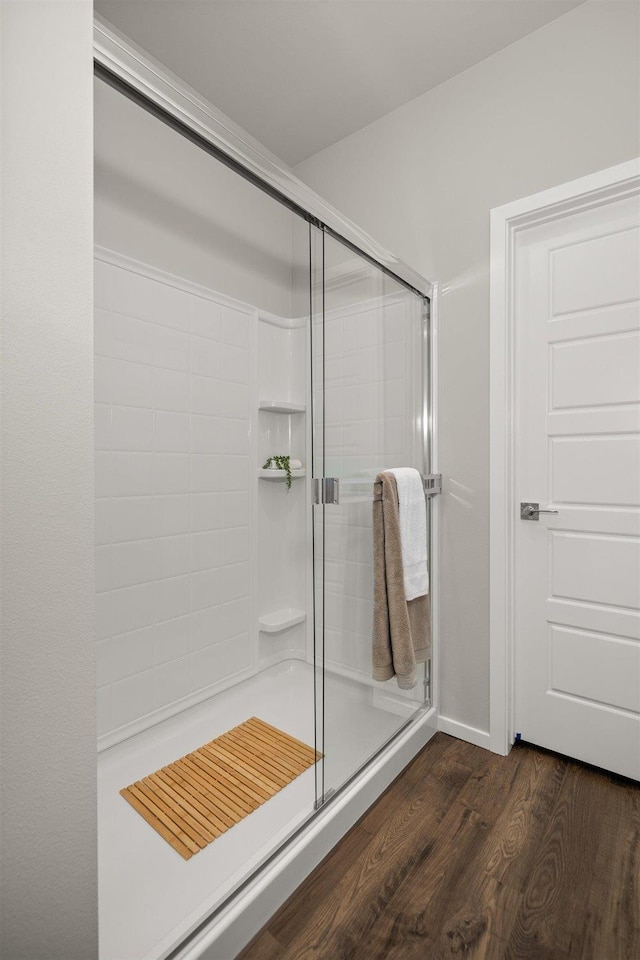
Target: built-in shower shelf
x,y
280,475
282,406
281,620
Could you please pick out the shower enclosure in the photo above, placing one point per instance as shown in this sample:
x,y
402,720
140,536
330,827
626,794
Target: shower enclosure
x,y
234,325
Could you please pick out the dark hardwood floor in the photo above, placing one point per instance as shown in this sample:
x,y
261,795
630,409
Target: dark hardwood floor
x,y
471,855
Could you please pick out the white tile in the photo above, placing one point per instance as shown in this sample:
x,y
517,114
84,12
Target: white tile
x,y
357,437
234,617
172,682
235,509
216,661
104,284
171,472
394,437
102,514
170,515
133,697
133,562
206,396
131,474
102,426
235,327
235,436
103,479
122,656
205,434
169,305
235,545
206,473
235,473
123,338
171,432
103,568
207,357
223,659
371,401
206,588
132,607
206,550
394,398
206,627
349,400
235,581
213,663
102,382
170,348
206,511
394,362
235,364
131,519
103,608
171,598
235,400
335,408
133,294
130,383
103,339
104,720
206,320
132,428
170,389
171,556
171,639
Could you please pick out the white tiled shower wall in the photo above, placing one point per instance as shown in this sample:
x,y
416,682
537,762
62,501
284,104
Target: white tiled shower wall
x,y
173,530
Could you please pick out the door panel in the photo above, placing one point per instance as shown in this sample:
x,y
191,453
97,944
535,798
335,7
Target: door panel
x,y
369,361
595,470
576,371
595,271
578,453
594,666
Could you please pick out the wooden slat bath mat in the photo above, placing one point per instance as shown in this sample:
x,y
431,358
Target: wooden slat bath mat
x,y
197,798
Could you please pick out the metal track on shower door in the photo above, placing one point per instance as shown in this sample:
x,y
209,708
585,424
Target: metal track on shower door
x,y
132,93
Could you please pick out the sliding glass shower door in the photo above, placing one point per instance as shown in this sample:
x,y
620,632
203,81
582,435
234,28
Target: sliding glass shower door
x,y
369,364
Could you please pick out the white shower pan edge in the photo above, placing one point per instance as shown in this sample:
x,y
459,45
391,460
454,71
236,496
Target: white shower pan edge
x,y
223,935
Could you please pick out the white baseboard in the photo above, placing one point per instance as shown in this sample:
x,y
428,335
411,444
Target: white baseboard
x,y
480,738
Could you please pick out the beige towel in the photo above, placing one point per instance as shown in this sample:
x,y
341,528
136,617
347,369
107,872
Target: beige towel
x,y
401,630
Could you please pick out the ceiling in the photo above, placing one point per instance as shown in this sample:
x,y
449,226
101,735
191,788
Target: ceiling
x,y
300,75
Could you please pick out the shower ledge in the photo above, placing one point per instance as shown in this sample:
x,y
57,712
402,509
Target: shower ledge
x,y
280,474
281,620
282,406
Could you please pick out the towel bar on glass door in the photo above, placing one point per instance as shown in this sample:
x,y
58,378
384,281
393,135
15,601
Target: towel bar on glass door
x,y
432,485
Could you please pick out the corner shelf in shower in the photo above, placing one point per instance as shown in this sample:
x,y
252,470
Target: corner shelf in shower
x,y
281,620
282,406
280,475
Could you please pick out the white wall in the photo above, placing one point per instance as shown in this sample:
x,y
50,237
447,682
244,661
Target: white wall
x,y
48,819
558,104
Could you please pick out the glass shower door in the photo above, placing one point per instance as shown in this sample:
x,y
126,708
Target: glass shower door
x,y
368,369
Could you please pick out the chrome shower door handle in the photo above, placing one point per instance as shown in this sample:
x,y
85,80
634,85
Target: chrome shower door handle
x,y
531,511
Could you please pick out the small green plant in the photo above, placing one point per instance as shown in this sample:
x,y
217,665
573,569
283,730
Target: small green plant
x,y
279,462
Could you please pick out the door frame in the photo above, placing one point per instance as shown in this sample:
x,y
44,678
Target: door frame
x,y
507,222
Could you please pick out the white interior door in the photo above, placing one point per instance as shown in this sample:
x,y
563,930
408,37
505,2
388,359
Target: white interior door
x,y
577,453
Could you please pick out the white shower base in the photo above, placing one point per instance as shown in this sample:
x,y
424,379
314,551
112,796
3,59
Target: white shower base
x,y
150,898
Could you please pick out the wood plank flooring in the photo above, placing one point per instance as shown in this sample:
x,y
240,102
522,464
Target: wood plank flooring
x,y
475,856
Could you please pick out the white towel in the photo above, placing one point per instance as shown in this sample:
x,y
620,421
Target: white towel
x,y
412,513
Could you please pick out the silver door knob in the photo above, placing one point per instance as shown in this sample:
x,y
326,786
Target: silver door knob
x,y
531,511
